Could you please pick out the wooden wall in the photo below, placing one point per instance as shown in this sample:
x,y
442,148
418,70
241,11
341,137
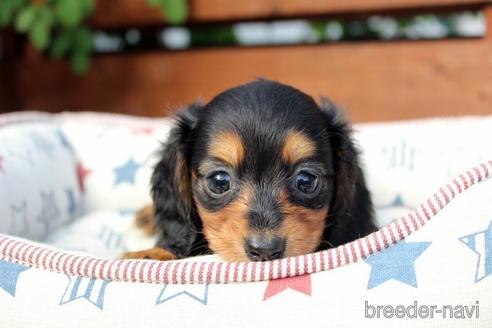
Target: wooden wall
x,y
373,80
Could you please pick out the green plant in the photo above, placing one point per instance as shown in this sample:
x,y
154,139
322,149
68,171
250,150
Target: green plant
x,y
175,11
59,26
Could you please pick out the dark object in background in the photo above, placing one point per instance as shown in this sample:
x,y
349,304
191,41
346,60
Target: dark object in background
x,y
292,32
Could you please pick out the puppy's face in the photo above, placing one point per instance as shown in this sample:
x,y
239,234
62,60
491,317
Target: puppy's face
x,y
261,174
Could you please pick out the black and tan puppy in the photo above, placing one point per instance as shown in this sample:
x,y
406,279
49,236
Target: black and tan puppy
x,y
259,173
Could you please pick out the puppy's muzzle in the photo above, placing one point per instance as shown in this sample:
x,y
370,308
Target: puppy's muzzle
x,y
260,248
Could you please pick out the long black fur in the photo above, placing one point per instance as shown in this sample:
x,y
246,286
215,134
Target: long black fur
x,y
175,216
351,211
247,107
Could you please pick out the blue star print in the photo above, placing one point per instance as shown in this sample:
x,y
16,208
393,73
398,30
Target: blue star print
x,y
198,293
110,238
9,274
93,290
49,210
396,262
400,155
398,201
63,140
72,207
18,222
42,144
481,243
126,172
126,212
25,156
1,164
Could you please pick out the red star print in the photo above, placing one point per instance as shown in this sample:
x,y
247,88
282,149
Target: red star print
x,y
143,130
301,284
1,162
82,173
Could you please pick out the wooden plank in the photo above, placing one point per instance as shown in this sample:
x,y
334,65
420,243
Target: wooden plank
x,y
7,96
138,13
488,21
213,10
374,81
7,74
122,13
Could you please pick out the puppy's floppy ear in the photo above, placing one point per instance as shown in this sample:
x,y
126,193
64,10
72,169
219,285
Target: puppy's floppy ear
x,y
175,216
351,212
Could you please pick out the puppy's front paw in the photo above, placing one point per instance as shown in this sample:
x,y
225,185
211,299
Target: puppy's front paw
x,y
155,253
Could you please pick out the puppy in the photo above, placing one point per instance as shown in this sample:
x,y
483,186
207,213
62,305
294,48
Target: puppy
x,y
259,173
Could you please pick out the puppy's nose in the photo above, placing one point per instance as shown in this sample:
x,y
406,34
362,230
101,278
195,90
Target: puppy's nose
x,y
263,249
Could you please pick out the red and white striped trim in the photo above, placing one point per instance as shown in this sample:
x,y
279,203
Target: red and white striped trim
x,y
173,272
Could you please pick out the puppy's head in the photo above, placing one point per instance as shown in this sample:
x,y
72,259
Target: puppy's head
x,y
259,173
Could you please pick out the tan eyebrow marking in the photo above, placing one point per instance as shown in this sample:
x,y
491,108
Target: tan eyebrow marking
x,y
297,146
227,147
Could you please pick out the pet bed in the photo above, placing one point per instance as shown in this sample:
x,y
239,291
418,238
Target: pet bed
x,y
70,184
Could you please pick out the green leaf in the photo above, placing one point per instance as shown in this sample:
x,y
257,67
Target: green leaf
x,y
69,12
25,18
319,28
7,9
87,7
83,40
39,35
16,4
80,62
82,48
45,16
176,11
5,14
61,44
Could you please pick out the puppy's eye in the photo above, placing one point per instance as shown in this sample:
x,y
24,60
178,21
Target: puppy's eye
x,y
219,182
305,182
